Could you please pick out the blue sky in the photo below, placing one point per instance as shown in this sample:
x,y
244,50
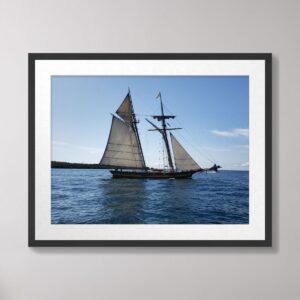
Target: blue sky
x,y
213,111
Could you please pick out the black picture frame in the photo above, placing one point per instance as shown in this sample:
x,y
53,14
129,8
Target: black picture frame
x,y
266,57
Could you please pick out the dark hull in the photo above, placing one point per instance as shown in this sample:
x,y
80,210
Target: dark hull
x,y
153,174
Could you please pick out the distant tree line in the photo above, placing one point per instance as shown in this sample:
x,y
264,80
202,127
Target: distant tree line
x,y
67,165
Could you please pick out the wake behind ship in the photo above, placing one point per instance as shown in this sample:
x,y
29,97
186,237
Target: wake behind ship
x,y
124,156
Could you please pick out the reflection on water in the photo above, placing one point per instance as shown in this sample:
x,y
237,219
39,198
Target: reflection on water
x,y
122,200
94,197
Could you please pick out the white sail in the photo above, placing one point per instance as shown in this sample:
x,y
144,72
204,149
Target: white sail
x,y
183,160
122,149
125,110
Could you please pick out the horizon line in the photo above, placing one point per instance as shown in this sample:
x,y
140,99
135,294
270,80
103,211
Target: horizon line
x,y
84,163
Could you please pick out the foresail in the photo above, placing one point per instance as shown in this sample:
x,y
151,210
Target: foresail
x,y
125,110
183,160
122,149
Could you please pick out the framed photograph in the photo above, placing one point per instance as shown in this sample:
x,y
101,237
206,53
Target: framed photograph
x,y
150,149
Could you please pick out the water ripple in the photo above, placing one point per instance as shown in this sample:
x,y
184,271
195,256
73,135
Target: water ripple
x,y
93,197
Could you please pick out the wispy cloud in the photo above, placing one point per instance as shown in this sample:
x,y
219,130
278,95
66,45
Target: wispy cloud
x,y
238,132
246,164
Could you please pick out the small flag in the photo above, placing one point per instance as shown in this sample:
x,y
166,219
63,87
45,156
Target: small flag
x,y
159,95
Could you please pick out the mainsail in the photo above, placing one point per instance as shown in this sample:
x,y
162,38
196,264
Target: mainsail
x,y
183,160
122,149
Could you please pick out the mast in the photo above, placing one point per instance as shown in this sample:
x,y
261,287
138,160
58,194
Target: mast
x,y
164,130
135,129
164,133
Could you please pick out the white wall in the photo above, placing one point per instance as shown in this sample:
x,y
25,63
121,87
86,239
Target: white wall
x,y
148,26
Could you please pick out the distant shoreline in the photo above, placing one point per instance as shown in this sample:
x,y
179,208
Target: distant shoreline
x,y
69,165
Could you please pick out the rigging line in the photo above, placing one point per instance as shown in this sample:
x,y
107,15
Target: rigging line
x,y
196,148
209,156
146,106
206,156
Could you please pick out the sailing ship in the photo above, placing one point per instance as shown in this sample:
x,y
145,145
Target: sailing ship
x,y
123,154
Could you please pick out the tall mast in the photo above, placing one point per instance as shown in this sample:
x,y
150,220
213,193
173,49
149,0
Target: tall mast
x,y
163,130
164,133
135,129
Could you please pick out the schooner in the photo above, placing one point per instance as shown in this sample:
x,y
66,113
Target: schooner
x,y
124,156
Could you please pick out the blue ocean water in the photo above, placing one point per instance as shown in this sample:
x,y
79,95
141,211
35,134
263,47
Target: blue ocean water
x,y
89,196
